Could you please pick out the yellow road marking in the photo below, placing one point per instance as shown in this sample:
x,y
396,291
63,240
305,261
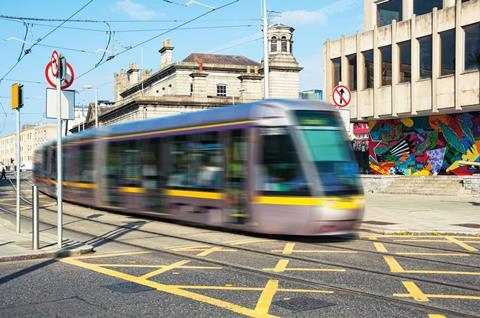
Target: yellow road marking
x,y
395,267
417,294
288,249
165,269
286,290
174,290
213,250
111,255
282,267
436,316
380,247
155,266
461,244
265,300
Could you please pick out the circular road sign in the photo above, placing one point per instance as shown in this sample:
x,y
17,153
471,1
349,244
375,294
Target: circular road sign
x,y
342,96
51,79
55,60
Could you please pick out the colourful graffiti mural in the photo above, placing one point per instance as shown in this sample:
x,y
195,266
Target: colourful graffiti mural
x,y
425,146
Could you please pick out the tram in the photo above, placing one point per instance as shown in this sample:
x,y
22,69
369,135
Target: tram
x,y
274,167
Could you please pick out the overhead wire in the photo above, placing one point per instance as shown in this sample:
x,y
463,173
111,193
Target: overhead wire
x,y
161,34
44,37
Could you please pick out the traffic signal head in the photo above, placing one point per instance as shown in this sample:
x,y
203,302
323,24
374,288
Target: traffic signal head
x,y
17,96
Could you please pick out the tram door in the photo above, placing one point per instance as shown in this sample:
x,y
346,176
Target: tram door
x,y
236,197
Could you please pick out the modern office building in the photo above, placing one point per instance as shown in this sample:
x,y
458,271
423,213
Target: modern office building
x,y
414,76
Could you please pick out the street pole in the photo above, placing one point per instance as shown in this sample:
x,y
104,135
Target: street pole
x,y
266,62
18,170
59,164
96,108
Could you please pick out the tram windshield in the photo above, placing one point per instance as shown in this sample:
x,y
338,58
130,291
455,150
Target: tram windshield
x,y
329,151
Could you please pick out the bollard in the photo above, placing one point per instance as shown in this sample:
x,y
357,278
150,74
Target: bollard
x,y
35,236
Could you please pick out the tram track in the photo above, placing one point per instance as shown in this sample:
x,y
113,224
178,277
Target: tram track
x,y
284,277
257,271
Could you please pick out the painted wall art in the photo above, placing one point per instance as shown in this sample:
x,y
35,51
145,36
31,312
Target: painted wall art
x,y
424,146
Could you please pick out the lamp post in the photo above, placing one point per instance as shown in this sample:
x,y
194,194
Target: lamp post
x,y
96,102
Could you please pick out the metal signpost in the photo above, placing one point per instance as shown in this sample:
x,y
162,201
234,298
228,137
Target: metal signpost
x,y
17,103
60,75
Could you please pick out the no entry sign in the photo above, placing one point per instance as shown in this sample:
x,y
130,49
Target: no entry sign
x,y
342,96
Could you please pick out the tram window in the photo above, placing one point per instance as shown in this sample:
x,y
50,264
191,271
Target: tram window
x,y
53,164
86,164
280,171
197,162
131,165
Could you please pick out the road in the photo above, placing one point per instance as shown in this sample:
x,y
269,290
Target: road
x,y
148,267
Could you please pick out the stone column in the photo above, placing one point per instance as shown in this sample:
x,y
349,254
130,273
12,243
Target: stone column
x,y
436,63
395,68
199,81
459,59
415,57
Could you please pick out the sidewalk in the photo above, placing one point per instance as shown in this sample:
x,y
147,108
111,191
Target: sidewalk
x,y
421,214
17,247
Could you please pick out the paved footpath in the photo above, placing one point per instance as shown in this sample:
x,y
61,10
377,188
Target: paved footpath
x,y
421,214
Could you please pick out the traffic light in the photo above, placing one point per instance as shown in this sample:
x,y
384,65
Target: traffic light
x,y
17,96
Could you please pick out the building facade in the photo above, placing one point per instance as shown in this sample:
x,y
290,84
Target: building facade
x,y
202,81
414,76
30,138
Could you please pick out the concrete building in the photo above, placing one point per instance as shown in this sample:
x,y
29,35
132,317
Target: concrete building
x,y
414,76
30,138
202,81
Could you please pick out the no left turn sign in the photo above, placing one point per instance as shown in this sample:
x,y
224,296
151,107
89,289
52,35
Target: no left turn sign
x,y
342,96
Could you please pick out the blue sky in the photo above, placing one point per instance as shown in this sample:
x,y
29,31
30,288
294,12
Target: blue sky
x,y
238,33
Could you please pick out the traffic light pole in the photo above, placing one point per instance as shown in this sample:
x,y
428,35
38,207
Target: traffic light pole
x,y
17,163
59,165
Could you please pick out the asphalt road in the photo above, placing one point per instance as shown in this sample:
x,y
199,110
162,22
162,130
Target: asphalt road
x,y
146,267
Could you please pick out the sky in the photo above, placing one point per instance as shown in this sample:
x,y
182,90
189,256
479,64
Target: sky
x,y
234,29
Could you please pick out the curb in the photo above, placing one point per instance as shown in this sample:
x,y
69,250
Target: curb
x,y
52,254
414,232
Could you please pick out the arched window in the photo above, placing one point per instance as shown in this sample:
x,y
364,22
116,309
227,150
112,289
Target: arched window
x,y
274,44
284,44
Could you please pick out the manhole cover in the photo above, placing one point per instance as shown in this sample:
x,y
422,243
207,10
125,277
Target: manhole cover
x,y
378,223
128,288
469,225
302,304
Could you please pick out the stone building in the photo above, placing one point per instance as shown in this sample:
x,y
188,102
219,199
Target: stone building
x,y
201,81
414,76
30,138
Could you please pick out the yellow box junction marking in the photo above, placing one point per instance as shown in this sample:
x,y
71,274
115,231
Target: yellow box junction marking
x,y
261,310
289,249
458,240
283,263
204,250
380,247
417,294
395,267
250,241
436,316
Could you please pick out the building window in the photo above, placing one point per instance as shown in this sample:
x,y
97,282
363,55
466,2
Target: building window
x,y
389,11
284,44
426,6
472,47
352,71
425,57
221,90
447,51
274,44
191,89
386,56
405,51
368,69
337,71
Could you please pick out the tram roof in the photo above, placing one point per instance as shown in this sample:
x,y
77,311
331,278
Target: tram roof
x,y
249,111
